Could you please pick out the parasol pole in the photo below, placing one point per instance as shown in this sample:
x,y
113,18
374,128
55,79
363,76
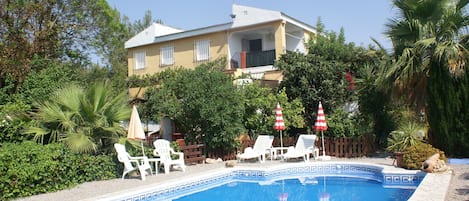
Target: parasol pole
x,y
323,148
143,150
281,143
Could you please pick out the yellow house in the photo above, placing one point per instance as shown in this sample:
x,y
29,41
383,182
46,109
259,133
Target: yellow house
x,y
250,42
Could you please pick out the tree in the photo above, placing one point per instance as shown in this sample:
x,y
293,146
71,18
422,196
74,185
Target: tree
x,y
312,81
259,110
448,112
319,75
86,120
425,33
38,85
141,24
109,45
430,46
375,103
70,31
109,42
46,29
204,104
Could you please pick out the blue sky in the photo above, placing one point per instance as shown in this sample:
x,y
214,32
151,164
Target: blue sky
x,y
361,19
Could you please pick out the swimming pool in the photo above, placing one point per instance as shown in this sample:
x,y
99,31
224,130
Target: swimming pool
x,y
176,189
304,189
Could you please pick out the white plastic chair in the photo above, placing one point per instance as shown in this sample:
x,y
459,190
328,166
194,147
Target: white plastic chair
x,y
142,163
261,147
164,151
304,148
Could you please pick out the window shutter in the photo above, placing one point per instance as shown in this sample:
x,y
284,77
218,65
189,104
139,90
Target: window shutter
x,y
167,55
140,59
202,50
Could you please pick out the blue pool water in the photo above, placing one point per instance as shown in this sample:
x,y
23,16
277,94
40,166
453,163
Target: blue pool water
x,y
292,182
458,161
303,189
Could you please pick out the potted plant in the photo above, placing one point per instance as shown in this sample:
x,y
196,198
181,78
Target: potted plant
x,y
407,135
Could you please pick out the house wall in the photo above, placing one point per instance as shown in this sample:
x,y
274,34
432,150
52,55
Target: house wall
x,y
183,53
235,47
295,41
268,42
273,75
137,92
280,40
308,36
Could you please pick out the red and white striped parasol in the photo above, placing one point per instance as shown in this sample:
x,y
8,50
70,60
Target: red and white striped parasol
x,y
321,125
279,124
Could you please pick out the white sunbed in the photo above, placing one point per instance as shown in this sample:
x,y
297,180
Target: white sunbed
x,y
304,148
260,149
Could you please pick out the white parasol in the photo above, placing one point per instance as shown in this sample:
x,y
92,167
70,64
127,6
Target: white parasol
x,y
136,131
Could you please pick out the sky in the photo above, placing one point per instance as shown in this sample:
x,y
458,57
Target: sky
x,y
361,19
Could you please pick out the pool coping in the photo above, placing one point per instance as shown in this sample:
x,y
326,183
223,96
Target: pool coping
x,y
425,190
434,187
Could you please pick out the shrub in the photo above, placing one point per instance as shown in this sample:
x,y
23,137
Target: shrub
x,y
408,135
415,155
204,104
13,118
30,168
342,124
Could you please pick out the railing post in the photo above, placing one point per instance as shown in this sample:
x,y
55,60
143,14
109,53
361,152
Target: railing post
x,y
243,59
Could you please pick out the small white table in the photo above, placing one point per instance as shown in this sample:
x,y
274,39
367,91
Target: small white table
x,y
276,152
155,162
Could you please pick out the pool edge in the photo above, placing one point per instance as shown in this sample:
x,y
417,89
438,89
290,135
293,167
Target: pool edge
x,y
434,186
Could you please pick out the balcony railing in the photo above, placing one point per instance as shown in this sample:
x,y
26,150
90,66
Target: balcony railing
x,y
253,59
260,58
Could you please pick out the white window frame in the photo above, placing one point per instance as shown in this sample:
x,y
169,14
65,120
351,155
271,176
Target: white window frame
x,y
140,59
167,55
202,50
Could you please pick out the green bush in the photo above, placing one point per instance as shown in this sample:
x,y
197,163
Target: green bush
x,y
342,124
13,118
415,155
407,135
448,111
30,168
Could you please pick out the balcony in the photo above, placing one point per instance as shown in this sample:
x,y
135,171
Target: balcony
x,y
254,59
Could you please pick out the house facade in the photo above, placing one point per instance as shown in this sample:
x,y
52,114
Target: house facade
x,y
251,42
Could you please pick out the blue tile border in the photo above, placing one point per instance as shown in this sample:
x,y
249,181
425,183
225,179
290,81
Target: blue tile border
x,y
367,171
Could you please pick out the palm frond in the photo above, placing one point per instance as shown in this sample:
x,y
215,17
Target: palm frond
x,y
63,99
80,143
455,54
38,132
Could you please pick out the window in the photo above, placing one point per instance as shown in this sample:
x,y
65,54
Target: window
x,y
139,57
202,50
167,55
255,45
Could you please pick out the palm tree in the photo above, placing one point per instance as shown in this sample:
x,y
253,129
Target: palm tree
x,y
86,120
426,32
430,42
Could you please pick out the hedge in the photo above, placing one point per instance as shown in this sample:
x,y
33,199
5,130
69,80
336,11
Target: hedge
x,y
29,168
